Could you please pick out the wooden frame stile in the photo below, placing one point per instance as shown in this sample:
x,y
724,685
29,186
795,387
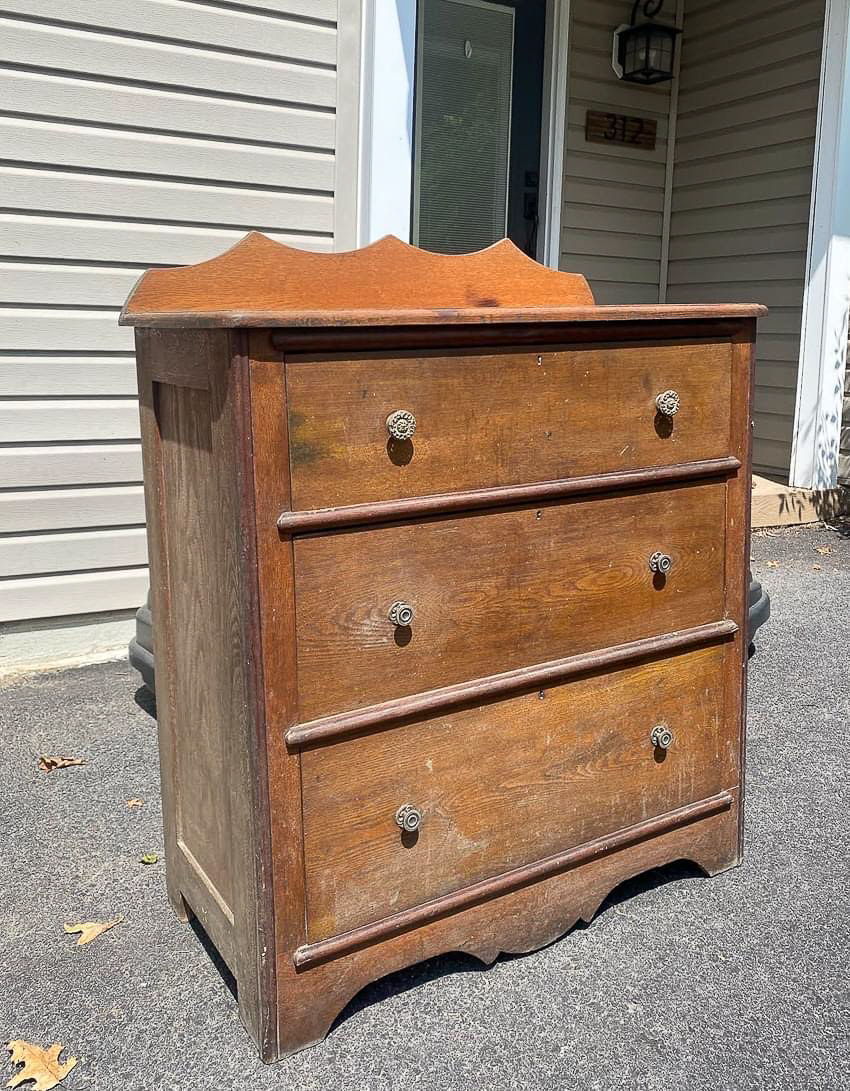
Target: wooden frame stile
x,y
739,498
158,560
256,899
277,639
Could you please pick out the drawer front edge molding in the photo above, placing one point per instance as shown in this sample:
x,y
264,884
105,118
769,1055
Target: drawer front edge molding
x,y
497,685
294,522
313,953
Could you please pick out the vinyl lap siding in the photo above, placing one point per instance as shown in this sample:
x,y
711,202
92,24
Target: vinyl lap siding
x,y
134,134
613,195
742,183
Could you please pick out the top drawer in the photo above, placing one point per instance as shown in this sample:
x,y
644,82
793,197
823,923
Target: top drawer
x,y
501,418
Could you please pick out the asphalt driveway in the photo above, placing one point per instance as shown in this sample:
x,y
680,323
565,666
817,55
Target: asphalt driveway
x,y
681,983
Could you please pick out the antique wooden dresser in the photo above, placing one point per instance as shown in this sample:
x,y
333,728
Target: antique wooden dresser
x,y
448,571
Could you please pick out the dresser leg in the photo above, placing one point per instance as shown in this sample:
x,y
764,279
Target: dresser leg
x,y
308,1018
178,903
723,852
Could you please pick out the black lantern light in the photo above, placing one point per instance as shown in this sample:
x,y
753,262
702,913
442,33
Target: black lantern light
x,y
644,53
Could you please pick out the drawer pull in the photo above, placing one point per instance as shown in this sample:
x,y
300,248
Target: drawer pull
x,y
668,403
401,614
401,424
408,818
660,562
661,736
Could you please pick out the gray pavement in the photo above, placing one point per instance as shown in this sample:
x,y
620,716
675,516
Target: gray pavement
x,y
681,983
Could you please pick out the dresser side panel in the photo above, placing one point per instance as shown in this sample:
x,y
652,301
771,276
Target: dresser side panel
x,y
200,581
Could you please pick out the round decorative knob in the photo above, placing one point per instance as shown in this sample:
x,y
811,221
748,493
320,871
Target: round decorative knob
x,y
401,613
401,424
660,562
668,403
661,736
408,818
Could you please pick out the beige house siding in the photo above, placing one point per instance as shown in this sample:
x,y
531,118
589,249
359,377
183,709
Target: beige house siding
x,y
133,135
742,183
613,195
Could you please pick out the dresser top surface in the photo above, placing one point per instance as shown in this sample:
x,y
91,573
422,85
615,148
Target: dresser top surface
x,y
262,283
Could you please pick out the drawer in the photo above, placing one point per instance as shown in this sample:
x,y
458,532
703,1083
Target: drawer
x,y
498,419
507,784
494,591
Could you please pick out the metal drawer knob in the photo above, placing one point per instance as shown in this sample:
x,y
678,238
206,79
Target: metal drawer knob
x,y
661,736
401,424
660,562
408,818
401,614
668,403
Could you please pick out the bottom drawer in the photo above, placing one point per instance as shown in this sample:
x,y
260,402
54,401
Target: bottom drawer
x,y
507,783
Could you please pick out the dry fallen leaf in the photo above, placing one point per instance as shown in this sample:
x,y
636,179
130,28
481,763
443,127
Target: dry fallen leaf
x,y
824,550
773,564
40,1065
90,930
48,762
149,858
134,803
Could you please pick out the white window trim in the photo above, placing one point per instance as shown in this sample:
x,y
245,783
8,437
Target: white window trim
x,y
388,52
826,302
553,130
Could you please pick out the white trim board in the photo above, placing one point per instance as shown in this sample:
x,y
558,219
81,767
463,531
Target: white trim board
x,y
386,119
553,131
826,303
386,122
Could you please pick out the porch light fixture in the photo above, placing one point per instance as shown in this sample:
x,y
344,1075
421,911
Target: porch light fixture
x,y
644,52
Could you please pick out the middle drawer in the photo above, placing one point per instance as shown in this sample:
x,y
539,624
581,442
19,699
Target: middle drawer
x,y
491,592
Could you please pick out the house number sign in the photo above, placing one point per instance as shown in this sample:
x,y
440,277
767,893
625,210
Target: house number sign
x,y
603,128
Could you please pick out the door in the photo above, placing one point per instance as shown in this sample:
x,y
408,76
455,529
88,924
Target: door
x,y
479,86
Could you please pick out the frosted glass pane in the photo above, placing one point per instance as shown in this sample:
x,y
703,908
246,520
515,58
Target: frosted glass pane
x,y
464,124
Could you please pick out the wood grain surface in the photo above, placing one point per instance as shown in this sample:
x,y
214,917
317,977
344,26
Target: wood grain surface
x,y
389,276
214,786
496,591
260,282
516,710
497,686
443,503
507,783
627,837
494,419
